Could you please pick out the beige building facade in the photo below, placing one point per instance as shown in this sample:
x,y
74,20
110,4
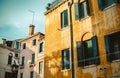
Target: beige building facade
x,y
31,55
8,60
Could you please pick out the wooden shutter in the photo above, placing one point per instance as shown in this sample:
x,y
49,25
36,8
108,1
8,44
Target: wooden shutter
x,y
65,18
88,6
80,54
107,45
100,4
23,61
33,58
76,8
95,50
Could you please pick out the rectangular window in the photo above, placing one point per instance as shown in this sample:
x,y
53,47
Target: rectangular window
x,y
34,42
82,9
40,67
41,47
65,59
22,63
21,75
24,46
8,75
9,59
87,52
31,74
16,55
64,19
33,58
105,3
112,43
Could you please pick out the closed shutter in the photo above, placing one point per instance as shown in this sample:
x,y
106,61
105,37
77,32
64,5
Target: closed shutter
x,y
82,10
88,7
107,45
80,54
100,4
31,74
33,58
76,7
23,58
65,18
95,50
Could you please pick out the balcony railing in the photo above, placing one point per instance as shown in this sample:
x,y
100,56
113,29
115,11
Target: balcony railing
x,y
53,4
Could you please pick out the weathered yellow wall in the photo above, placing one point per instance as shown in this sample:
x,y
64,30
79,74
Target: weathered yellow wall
x,y
99,23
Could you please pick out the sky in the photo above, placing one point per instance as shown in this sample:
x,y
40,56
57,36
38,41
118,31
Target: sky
x,y
15,17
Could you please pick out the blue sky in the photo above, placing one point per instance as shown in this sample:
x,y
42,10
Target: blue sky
x,y
15,17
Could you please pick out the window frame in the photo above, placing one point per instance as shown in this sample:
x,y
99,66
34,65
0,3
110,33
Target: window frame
x,y
33,58
34,42
41,47
24,46
31,74
41,67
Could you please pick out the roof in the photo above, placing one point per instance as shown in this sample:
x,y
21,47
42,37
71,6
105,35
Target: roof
x,y
11,49
31,36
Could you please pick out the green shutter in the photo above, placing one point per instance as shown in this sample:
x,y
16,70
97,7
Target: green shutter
x,y
33,58
76,8
100,4
88,7
23,61
95,50
31,74
67,59
82,10
80,54
65,18
107,45
21,75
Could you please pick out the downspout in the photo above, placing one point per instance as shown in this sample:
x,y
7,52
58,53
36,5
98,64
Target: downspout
x,y
71,39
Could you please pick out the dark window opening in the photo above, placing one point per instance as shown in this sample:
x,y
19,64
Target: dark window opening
x,y
87,52
65,59
34,42
112,43
24,46
23,58
31,74
33,58
82,9
9,59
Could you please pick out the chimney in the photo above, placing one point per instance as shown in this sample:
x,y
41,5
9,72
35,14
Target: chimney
x,y
31,30
3,41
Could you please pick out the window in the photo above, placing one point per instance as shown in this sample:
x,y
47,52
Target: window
x,y
112,43
31,74
65,59
23,58
34,42
21,75
16,55
41,47
82,9
33,58
8,75
64,19
24,46
40,67
105,3
10,59
87,52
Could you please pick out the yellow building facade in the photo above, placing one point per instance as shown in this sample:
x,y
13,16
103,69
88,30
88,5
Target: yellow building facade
x,y
95,39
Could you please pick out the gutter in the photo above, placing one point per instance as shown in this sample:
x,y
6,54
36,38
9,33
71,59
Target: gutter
x,y
71,38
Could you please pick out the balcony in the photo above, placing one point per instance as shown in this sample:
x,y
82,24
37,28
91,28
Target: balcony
x,y
53,4
32,64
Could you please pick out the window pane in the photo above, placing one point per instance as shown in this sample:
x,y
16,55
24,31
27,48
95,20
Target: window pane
x,y
41,47
33,58
64,19
9,59
21,75
23,58
34,42
31,74
40,67
65,59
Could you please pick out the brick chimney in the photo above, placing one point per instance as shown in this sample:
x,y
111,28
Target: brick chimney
x,y
31,30
3,41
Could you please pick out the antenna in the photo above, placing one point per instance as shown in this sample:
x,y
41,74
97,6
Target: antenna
x,y
33,12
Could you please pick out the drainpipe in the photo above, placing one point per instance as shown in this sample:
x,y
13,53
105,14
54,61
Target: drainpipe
x,y
71,38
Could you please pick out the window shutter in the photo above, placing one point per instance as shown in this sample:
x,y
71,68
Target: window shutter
x,y
82,10
88,7
23,61
31,74
65,18
95,50
76,8
107,45
80,54
67,59
100,4
33,58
